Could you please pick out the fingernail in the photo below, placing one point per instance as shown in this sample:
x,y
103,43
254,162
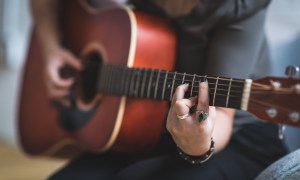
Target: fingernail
x,y
204,79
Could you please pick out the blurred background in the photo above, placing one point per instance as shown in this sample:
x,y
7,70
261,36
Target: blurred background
x,y
15,26
283,32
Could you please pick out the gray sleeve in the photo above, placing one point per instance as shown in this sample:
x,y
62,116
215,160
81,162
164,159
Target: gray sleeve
x,y
235,50
236,10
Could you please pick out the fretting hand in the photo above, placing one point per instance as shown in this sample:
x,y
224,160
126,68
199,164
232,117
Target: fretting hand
x,y
191,132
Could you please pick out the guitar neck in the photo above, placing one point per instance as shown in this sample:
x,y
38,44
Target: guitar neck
x,y
161,84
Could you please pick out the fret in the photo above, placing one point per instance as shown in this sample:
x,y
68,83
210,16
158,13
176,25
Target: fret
x,y
160,84
127,81
228,92
164,86
143,82
183,78
156,84
123,78
131,86
109,78
192,88
101,79
171,94
169,82
149,84
195,91
216,86
236,92
119,86
188,79
137,84
222,92
117,72
114,79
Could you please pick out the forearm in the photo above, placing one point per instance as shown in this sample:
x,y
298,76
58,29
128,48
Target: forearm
x,y
45,17
223,127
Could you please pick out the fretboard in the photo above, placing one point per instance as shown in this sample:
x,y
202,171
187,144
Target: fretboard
x,y
161,85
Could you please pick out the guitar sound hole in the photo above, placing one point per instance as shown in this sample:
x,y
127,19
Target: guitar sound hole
x,y
89,77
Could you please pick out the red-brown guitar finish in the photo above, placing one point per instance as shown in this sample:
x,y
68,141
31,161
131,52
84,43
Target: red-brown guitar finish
x,y
111,29
120,37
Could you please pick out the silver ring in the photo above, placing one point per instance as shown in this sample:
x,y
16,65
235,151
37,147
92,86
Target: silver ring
x,y
183,116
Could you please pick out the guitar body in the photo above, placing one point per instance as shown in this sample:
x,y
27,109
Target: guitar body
x,y
119,36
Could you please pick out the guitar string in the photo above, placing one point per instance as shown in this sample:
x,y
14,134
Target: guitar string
x,y
134,90
256,87
254,91
201,76
225,86
188,81
194,91
259,85
233,98
211,93
219,93
143,70
172,73
218,102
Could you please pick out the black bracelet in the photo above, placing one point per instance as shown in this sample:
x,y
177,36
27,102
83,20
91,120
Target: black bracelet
x,y
198,159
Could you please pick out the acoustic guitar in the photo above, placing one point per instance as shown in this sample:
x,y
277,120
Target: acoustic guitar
x,y
128,60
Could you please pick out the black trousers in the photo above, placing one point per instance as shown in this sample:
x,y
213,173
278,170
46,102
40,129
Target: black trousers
x,y
250,150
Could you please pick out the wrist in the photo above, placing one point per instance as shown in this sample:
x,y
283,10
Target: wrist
x,y
196,148
192,159
51,45
48,40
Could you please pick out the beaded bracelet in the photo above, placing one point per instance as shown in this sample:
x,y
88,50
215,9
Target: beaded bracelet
x,y
198,159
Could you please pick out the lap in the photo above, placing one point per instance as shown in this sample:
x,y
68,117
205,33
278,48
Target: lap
x,y
241,159
228,164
